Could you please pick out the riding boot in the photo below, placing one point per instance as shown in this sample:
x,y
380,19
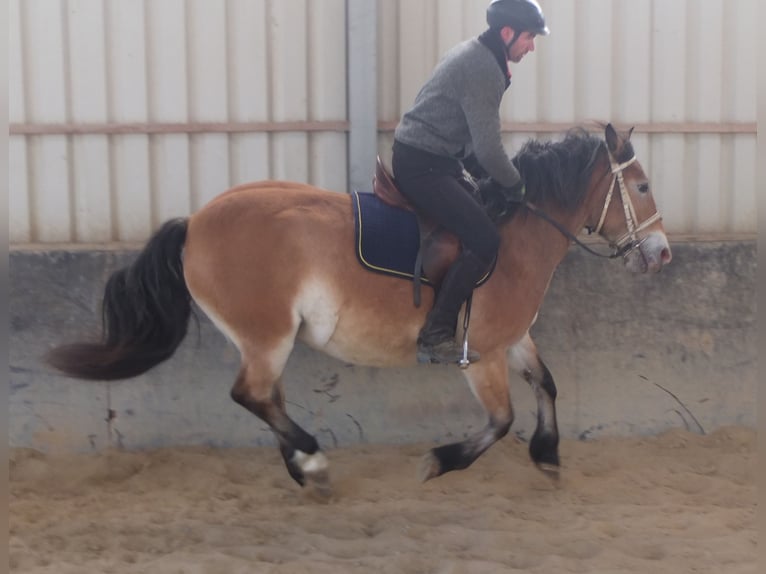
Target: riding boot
x,y
436,341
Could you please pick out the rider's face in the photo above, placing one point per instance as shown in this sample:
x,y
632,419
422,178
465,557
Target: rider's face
x,y
522,46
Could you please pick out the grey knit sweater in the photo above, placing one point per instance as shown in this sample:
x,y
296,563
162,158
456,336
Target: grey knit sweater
x,y
457,112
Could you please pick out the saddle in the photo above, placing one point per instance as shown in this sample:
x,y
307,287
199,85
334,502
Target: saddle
x,y
438,247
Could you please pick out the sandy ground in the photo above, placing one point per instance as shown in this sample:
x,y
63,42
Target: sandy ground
x,y
675,503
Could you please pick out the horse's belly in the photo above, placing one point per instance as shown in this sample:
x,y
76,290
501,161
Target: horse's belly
x,y
363,353
356,330
356,343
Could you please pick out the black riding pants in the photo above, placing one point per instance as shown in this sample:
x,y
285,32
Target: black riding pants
x,y
431,184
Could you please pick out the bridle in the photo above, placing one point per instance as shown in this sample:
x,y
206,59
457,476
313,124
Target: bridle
x,y
631,219
628,242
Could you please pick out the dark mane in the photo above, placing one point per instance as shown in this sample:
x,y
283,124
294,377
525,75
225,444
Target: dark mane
x,y
559,171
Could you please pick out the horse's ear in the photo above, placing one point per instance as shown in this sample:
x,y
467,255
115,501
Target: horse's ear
x,y
630,133
612,140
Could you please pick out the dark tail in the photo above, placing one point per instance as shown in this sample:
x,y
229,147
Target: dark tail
x,y
146,313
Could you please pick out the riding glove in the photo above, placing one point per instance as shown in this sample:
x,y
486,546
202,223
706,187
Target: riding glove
x,y
499,199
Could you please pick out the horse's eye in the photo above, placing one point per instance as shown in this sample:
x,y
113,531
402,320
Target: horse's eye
x,y
643,188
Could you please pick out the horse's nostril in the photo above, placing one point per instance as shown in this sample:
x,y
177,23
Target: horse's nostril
x,y
666,256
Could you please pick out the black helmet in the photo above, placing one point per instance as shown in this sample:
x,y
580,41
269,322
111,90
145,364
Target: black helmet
x,y
521,15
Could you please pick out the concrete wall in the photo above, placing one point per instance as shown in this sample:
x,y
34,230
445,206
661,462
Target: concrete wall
x,y
609,338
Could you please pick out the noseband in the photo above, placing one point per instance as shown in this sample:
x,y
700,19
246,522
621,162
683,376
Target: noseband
x,y
627,242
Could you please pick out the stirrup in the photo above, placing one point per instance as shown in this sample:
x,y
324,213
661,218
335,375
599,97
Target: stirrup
x,y
447,352
460,354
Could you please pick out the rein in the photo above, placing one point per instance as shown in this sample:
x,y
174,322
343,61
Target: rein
x,y
566,233
628,241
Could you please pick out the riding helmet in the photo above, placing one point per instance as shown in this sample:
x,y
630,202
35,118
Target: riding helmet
x,y
521,15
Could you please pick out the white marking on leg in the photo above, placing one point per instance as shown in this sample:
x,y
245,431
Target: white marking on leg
x,y
486,439
524,359
317,307
523,356
311,463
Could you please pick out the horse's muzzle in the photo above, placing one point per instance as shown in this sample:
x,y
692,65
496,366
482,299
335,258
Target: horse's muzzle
x,y
651,254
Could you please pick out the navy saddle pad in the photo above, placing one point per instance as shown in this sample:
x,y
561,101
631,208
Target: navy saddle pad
x,y
386,238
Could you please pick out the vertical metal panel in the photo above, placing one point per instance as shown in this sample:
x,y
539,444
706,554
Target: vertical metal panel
x,y
87,60
16,107
594,64
449,25
417,53
558,64
208,94
631,83
669,160
361,74
168,102
249,90
20,230
704,68
741,29
127,72
389,45
740,50
47,98
743,184
288,45
631,51
328,91
18,198
474,17
131,185
88,104
522,101
44,50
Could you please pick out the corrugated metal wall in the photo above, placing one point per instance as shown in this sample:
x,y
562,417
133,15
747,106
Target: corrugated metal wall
x,y
171,67
128,112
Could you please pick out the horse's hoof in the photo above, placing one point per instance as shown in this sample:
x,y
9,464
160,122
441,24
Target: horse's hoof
x,y
552,471
318,485
429,467
313,469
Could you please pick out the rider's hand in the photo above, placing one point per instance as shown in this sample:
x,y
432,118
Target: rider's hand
x,y
515,193
494,193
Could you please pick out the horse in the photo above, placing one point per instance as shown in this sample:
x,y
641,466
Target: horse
x,y
272,262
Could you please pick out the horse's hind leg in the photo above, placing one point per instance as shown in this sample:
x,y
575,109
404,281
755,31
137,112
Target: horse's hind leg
x,y
489,383
261,393
544,445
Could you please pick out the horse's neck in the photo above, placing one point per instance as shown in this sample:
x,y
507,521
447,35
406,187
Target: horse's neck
x,y
544,246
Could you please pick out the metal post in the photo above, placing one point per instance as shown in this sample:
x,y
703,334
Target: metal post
x,y
361,30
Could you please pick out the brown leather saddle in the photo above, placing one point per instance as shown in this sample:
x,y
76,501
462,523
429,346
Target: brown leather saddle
x,y
438,247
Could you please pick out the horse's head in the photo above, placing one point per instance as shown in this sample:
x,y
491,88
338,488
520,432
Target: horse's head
x,y
628,217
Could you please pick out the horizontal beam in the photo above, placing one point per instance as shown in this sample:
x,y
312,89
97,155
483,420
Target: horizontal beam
x,y
175,128
646,128
343,126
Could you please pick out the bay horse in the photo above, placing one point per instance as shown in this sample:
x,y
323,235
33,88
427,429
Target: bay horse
x,y
273,262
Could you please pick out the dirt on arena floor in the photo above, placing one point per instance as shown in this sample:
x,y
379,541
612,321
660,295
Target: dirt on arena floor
x,y
674,503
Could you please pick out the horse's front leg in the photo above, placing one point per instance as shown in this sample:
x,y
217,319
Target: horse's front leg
x,y
544,446
489,382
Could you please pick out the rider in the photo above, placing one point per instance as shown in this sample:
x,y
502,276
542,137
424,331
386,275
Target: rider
x,y
455,122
